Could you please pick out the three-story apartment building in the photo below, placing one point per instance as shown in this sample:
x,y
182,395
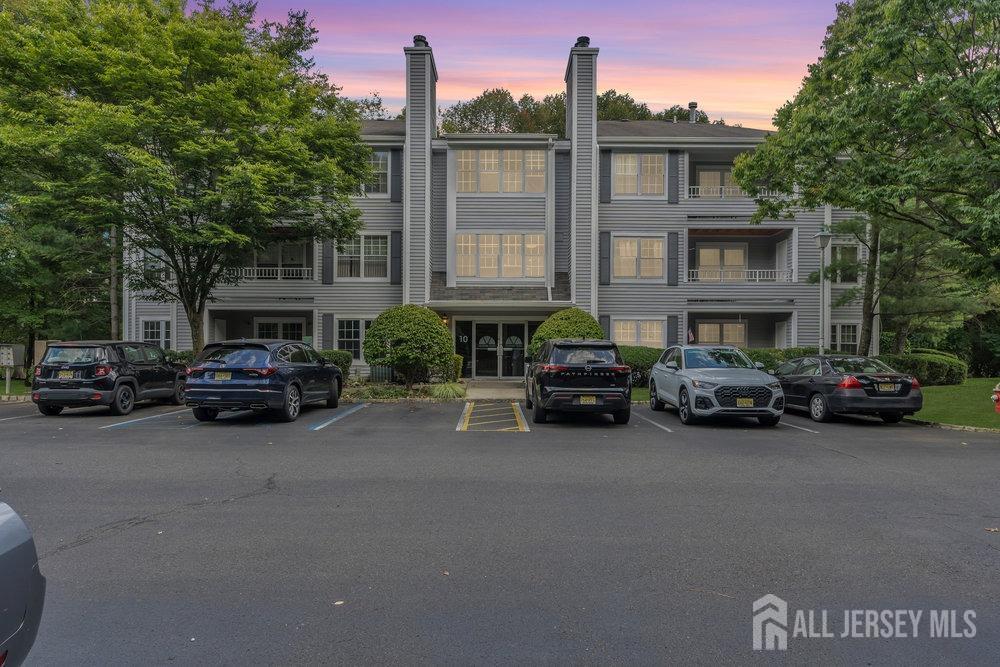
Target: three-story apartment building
x,y
637,222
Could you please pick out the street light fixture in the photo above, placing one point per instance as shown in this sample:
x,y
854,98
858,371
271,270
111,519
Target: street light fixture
x,y
822,242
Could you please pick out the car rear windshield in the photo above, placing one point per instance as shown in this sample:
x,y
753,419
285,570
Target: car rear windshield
x,y
859,365
584,354
75,355
231,355
716,358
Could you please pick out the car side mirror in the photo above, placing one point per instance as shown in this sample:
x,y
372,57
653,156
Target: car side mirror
x,y
773,372
672,365
759,365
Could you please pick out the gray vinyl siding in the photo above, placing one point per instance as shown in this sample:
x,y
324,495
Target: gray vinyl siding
x,y
563,192
492,213
583,93
416,170
439,211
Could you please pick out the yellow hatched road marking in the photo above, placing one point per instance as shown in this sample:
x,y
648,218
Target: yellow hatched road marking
x,y
476,415
493,421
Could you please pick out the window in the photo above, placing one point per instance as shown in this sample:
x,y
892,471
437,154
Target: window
x,y
786,368
284,260
648,333
722,263
846,256
722,333
379,183
639,173
277,328
500,255
640,258
366,256
809,367
495,170
844,338
350,336
154,269
714,181
156,332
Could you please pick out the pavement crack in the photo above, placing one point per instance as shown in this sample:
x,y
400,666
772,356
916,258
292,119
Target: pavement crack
x,y
121,525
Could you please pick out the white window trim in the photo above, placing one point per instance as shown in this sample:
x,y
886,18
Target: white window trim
x,y
838,324
500,279
638,176
364,279
638,319
524,174
273,319
388,182
161,321
833,252
363,331
721,321
637,280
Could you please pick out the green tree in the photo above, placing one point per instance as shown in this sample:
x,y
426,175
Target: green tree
x,y
899,119
195,133
682,114
493,111
412,340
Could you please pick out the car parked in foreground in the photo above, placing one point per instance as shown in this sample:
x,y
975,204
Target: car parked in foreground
x,y
279,376
572,375
713,380
99,372
22,589
828,385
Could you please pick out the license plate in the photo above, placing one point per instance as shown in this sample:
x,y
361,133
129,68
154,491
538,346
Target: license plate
x,y
888,387
588,400
65,375
223,375
744,402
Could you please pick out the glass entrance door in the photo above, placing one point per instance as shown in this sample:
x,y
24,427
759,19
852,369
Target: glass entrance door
x,y
512,359
487,346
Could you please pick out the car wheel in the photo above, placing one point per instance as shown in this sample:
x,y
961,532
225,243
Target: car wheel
x,y
818,409
334,399
205,414
540,415
891,417
50,410
684,407
769,420
289,412
622,416
123,401
654,401
177,398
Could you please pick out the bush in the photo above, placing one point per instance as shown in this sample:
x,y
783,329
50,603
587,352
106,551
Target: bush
x,y
769,356
413,340
447,391
457,361
930,369
179,356
567,323
340,358
939,353
640,359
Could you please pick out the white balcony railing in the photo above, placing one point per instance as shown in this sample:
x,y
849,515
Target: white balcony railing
x,y
723,192
275,273
739,276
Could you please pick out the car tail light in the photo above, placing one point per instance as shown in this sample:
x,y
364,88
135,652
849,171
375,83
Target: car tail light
x,y
102,371
554,368
267,371
914,383
38,373
621,369
3,658
192,370
95,397
35,396
850,382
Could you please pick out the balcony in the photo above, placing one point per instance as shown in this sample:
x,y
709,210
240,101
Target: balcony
x,y
275,273
723,192
739,275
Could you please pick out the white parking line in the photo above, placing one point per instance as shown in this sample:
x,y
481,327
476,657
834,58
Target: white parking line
x,y
7,419
654,423
801,428
349,411
460,426
142,419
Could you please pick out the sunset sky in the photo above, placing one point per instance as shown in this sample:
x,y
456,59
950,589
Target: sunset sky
x,y
739,60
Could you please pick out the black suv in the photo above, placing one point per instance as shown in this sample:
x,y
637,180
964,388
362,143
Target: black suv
x,y
100,372
578,376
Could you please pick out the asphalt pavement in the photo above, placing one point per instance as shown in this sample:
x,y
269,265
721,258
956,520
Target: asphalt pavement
x,y
383,533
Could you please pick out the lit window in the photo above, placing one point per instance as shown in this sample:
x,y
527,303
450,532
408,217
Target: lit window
x,y
534,171
467,170
651,258
489,171
465,257
500,256
625,332
513,171
638,258
651,333
513,266
639,173
626,173
489,253
721,263
652,170
722,333
534,255
495,170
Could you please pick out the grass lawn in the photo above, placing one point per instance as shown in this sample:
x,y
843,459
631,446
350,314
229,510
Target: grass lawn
x,y
17,387
966,404
640,394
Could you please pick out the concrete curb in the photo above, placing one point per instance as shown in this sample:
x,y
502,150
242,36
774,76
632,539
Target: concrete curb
x,y
952,427
11,398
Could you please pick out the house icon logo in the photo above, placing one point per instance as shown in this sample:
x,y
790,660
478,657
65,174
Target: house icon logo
x,y
770,624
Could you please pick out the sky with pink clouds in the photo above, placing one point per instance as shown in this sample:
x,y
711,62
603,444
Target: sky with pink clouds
x,y
740,60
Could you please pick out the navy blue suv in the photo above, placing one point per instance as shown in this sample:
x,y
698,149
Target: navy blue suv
x,y
279,376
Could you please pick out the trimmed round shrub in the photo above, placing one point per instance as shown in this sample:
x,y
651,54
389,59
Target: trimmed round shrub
x,y
640,359
567,323
412,340
339,358
939,353
769,356
930,369
179,356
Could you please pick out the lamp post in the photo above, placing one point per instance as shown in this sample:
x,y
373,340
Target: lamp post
x,y
822,242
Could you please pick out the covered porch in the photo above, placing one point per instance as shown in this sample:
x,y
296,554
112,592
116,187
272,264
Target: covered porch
x,y
229,323
748,330
740,255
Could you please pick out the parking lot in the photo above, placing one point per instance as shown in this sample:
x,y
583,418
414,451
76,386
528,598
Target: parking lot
x,y
386,532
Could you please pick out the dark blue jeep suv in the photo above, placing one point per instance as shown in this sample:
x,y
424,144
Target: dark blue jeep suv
x,y
276,375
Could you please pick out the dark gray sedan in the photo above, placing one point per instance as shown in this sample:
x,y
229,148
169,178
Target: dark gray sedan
x,y
843,384
22,589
